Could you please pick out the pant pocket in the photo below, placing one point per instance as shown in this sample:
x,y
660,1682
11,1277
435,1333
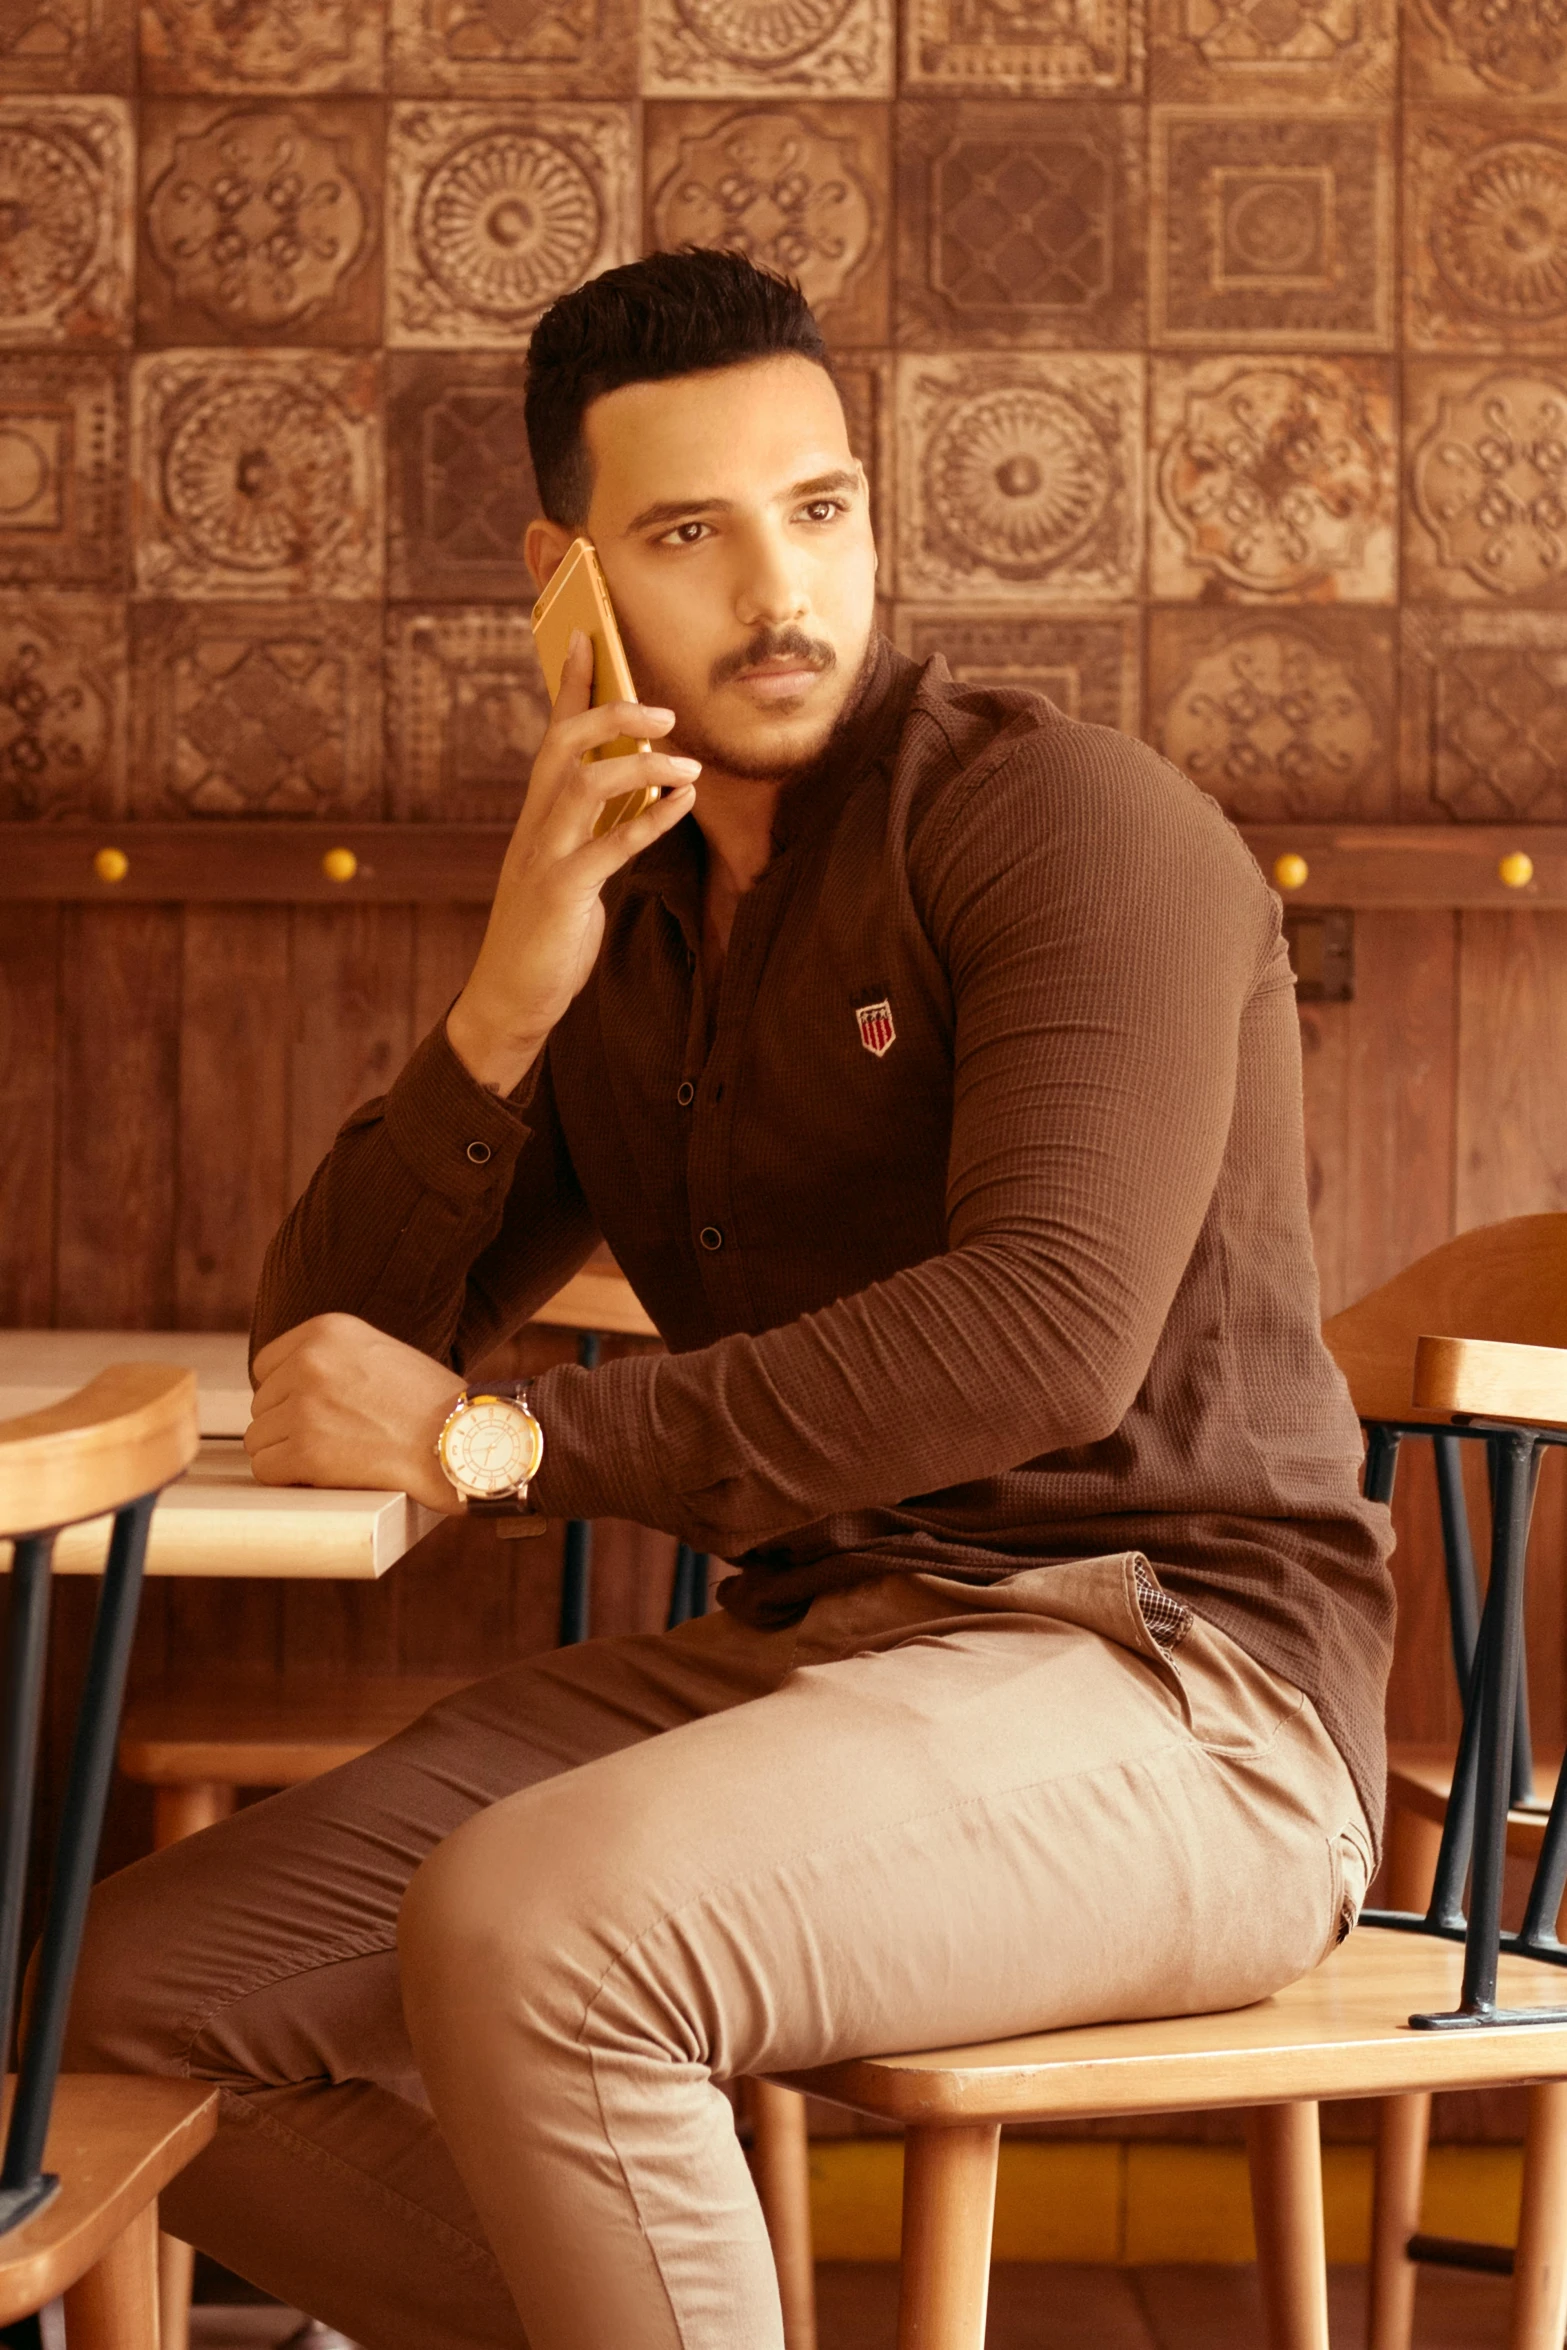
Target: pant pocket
x,y
1349,1856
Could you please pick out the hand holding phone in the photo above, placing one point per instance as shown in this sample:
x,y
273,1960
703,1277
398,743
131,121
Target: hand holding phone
x,y
577,596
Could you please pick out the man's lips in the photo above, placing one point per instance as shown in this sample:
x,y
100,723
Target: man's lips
x,y
778,680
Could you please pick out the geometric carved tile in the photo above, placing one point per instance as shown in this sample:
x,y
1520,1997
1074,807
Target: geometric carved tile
x,y
466,713
1271,230
67,205
1273,477
460,488
1088,666
257,474
865,386
1019,478
263,47
66,45
257,710
497,210
1485,717
62,706
62,470
513,48
1279,715
1474,49
767,48
802,189
1019,225
1486,213
1024,48
1485,518
260,223
1274,52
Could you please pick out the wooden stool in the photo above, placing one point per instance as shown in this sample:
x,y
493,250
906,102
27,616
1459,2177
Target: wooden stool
x,y
85,2158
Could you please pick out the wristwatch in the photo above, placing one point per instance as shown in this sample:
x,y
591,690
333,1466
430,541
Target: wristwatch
x,y
490,1449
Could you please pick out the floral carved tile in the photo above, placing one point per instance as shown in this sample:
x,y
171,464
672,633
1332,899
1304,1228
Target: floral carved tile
x,y
57,45
1484,717
490,49
1485,213
494,211
460,487
1478,49
1273,478
767,48
1485,511
1019,478
1024,48
1019,225
62,470
256,475
257,710
467,709
62,706
284,46
1087,664
1280,715
1273,52
1271,231
260,223
67,204
802,189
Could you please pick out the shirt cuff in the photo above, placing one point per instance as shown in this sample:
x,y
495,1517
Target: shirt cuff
x,y
600,1460
457,1137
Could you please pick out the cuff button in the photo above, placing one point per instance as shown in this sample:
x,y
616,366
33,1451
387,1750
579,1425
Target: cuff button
x,y
710,1236
480,1153
686,1094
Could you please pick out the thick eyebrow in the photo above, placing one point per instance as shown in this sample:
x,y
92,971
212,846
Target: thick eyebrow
x,y
692,509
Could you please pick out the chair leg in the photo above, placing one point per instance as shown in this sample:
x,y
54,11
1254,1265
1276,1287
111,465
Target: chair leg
x,y
115,2305
949,2213
783,2182
178,1812
1403,2123
176,2271
1539,2311
1284,2152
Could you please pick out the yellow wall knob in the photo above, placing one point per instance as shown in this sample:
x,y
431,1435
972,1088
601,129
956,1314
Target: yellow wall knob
x,y
1517,869
1290,871
340,864
111,864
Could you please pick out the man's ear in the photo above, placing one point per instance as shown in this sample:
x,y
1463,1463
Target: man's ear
x,y
544,548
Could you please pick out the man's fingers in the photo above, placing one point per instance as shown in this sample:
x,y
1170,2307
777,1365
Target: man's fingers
x,y
575,690
601,857
277,1350
589,730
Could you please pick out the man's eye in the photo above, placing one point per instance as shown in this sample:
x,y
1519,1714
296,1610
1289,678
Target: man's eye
x,y
823,509
686,534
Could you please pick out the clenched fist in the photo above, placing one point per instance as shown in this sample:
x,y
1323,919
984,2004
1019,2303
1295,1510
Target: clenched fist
x,y
339,1403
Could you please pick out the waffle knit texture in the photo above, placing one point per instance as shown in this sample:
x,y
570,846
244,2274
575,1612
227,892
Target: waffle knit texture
x,y
1032,1283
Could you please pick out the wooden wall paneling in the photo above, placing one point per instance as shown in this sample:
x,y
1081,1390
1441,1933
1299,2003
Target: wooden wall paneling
x,y
349,1031
29,982
446,941
1324,1062
233,1109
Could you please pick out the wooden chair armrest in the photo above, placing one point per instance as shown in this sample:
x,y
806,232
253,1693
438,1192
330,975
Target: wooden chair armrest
x,y
1491,1379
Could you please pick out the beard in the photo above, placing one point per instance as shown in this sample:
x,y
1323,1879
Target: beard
x,y
747,764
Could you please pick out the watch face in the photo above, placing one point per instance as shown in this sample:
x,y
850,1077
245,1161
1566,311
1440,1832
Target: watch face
x,y
491,1446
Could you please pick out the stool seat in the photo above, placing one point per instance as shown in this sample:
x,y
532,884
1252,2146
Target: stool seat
x,y
115,2140
268,1733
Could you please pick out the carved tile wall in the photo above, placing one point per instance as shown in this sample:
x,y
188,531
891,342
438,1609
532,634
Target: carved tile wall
x,y
1209,358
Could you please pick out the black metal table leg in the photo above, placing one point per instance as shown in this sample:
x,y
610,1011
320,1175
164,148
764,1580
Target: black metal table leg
x,y
576,1575
27,1649
86,1795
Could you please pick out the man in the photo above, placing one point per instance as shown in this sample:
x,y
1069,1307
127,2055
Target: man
x,y
928,1061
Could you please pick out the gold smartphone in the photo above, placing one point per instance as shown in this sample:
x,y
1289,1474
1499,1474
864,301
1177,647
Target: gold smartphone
x,y
576,597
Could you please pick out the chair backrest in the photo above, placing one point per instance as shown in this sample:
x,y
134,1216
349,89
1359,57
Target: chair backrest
x,y
111,1447
1505,1281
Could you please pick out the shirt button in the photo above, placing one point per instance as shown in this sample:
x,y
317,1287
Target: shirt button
x,y
711,1237
480,1153
687,1094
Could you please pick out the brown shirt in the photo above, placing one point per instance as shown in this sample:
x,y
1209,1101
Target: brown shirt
x,y
1034,1282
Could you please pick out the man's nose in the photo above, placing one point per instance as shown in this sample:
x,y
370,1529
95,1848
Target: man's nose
x,y
770,593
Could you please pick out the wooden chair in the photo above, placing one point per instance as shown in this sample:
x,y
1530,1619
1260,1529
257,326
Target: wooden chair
x,y
1409,2003
1505,1282
85,2158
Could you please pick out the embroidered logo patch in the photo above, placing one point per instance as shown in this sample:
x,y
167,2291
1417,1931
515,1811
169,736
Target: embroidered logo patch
x,y
876,1028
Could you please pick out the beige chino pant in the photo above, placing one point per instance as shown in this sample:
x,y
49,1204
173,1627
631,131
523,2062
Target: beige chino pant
x,y
563,1904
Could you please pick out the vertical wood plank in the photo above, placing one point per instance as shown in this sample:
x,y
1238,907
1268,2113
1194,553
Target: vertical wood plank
x,y
29,976
233,1108
1324,1051
119,1078
446,941
1399,1106
350,1031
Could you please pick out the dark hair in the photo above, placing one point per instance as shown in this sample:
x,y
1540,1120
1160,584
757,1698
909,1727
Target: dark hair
x,y
684,313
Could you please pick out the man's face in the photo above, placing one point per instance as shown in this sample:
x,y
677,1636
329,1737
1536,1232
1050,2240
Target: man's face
x,y
734,531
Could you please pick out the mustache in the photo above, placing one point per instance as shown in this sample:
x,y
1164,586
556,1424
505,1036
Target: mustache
x,y
773,644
